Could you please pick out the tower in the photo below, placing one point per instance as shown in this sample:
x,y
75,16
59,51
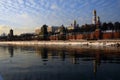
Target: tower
x,y
98,21
94,21
11,33
75,24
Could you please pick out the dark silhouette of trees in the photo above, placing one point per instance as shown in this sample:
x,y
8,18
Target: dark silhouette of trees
x,y
44,33
26,36
87,28
110,26
44,30
62,32
104,26
116,26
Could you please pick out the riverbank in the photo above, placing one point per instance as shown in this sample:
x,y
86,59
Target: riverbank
x,y
96,43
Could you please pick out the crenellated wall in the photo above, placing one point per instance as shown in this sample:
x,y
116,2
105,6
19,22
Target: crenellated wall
x,y
91,36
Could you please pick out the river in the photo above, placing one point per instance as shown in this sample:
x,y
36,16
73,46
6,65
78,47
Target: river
x,y
58,63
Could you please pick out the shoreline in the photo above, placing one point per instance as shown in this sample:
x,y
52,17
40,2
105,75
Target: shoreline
x,y
96,43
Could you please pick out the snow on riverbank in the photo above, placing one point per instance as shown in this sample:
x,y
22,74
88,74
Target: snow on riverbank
x,y
97,43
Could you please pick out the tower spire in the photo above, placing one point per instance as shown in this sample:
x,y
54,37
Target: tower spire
x,y
94,17
75,24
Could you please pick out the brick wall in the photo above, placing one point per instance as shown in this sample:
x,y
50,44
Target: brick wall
x,y
107,35
94,35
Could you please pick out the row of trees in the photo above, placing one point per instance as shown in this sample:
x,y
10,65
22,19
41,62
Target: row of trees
x,y
111,26
22,37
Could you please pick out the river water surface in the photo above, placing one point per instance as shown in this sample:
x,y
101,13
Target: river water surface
x,y
58,63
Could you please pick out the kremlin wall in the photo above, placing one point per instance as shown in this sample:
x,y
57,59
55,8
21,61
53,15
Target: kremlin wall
x,y
92,36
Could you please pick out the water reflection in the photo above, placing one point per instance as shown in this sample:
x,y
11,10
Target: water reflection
x,y
11,50
62,61
79,54
44,53
63,55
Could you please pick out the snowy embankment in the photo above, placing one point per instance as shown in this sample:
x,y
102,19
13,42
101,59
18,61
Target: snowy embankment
x,y
97,43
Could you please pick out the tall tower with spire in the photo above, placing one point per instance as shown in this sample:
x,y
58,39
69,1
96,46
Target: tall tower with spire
x,y
98,21
75,24
94,21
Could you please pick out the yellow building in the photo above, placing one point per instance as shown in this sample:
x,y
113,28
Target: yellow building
x,y
70,27
37,31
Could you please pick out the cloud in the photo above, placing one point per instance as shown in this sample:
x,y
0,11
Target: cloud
x,y
23,18
18,31
31,13
20,1
4,29
54,7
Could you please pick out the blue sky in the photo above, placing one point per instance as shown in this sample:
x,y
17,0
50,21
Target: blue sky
x,y
27,15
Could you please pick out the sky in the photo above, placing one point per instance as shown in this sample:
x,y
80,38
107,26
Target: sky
x,y
26,15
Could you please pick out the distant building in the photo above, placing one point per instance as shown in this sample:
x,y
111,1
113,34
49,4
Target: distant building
x,y
37,31
3,34
70,27
10,35
75,24
52,29
98,21
62,30
49,29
